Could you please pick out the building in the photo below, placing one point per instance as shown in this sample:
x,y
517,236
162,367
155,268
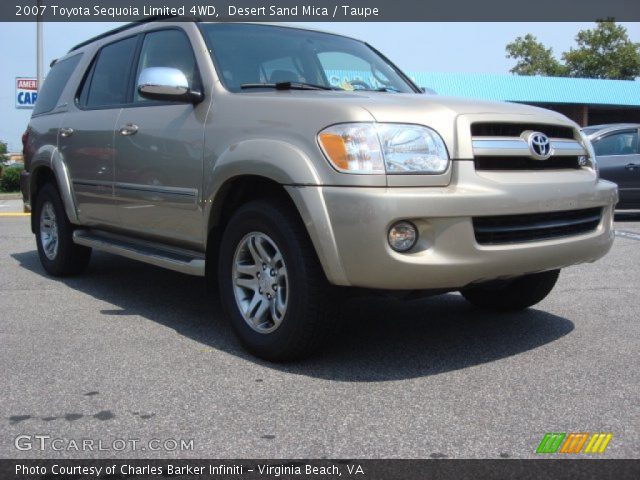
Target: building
x,y
587,101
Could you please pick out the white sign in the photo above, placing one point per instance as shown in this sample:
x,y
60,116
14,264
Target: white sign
x,y
26,92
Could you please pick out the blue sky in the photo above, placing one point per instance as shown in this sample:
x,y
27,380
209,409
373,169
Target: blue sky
x,y
440,47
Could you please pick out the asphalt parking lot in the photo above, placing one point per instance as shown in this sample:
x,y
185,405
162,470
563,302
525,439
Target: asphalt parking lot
x,y
130,351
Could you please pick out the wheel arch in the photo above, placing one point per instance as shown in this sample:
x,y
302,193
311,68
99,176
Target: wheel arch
x,y
52,168
240,189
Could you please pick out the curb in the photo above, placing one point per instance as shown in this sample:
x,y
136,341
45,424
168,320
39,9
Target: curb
x,y
11,196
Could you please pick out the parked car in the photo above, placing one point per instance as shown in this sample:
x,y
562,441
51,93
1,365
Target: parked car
x,y
618,156
223,150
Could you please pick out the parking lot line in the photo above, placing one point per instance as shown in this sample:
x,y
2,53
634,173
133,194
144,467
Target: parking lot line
x,y
14,214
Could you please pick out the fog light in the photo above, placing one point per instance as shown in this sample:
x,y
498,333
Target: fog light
x,y
402,236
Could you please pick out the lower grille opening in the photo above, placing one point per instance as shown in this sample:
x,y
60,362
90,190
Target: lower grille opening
x,y
533,227
525,163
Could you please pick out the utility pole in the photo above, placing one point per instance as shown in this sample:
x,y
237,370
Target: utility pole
x,y
39,63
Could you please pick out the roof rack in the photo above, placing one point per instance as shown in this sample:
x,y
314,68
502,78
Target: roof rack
x,y
127,27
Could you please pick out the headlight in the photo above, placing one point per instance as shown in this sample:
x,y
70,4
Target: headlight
x,y
384,147
586,143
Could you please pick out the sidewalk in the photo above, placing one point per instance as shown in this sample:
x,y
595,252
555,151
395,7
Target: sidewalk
x,y
11,205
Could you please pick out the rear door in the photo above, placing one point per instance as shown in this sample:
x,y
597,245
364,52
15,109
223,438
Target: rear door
x,y
86,133
159,150
618,157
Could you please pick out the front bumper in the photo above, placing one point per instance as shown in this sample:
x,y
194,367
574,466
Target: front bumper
x,y
447,255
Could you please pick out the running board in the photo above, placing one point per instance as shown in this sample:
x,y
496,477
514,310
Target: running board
x,y
172,258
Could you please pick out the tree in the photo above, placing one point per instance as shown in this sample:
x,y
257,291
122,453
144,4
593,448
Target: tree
x,y
533,58
3,151
602,52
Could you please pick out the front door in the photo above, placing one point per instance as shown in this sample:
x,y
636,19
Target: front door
x,y
159,151
618,158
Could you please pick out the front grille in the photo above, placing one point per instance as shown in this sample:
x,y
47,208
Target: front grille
x,y
533,227
494,129
525,163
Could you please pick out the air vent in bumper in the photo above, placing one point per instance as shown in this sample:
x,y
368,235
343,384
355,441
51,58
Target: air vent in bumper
x,y
504,229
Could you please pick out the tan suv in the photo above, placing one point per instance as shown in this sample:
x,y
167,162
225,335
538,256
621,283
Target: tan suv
x,y
287,162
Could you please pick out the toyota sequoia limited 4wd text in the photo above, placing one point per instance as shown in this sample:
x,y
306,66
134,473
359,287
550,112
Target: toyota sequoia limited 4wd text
x,y
286,163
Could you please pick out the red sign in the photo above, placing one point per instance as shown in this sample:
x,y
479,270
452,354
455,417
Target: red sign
x,y
26,92
27,84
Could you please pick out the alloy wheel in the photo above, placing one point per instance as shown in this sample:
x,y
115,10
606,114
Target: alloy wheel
x,y
49,230
260,282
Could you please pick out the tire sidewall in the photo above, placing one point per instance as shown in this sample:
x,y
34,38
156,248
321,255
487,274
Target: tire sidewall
x,y
50,194
270,221
520,293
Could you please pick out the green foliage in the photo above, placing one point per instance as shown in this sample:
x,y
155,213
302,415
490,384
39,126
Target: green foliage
x,y
602,52
533,58
10,180
3,151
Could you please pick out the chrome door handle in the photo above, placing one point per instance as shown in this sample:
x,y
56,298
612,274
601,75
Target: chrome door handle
x,y
129,129
66,132
631,166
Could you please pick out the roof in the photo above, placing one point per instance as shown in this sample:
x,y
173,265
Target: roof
x,y
593,131
531,89
127,26
159,18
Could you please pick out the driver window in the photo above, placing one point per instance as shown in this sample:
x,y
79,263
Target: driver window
x,y
167,48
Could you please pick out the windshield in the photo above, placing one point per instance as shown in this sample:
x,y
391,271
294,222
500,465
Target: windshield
x,y
246,55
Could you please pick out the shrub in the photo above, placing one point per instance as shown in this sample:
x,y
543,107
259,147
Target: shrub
x,y
10,180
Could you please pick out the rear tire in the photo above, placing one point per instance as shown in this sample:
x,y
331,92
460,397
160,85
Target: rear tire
x,y
54,236
517,294
272,287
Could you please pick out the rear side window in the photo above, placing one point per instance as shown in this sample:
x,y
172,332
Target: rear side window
x,y
622,143
108,80
54,84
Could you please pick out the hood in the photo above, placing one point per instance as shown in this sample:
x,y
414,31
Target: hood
x,y
383,105
449,116
388,106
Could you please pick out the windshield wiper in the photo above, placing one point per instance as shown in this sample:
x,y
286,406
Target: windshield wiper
x,y
387,89
288,86
379,89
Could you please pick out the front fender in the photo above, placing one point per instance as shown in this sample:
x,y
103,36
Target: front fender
x,y
274,159
289,166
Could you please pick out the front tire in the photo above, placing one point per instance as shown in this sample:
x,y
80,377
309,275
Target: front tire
x,y
54,236
517,294
272,286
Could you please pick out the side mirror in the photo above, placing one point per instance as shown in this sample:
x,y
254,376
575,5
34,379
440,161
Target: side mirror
x,y
164,83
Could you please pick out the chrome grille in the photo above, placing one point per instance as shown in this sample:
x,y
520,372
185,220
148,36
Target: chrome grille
x,y
503,146
496,129
525,163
